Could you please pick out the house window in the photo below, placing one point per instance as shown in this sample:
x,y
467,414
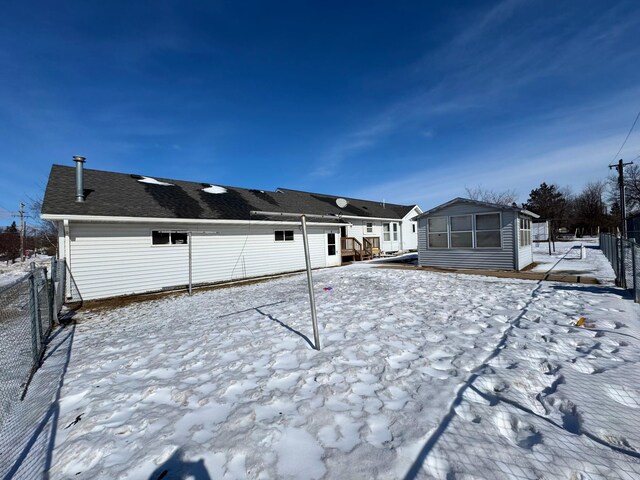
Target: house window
x,y
395,232
169,238
283,235
461,232
488,233
438,232
331,244
525,232
369,227
386,232
413,228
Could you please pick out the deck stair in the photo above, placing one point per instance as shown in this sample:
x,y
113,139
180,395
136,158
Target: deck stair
x,y
365,250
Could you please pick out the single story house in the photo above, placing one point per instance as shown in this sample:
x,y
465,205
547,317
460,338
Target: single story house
x,y
464,233
123,234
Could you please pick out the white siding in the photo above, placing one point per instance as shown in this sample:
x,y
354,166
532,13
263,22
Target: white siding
x,y
408,236
118,259
525,254
359,229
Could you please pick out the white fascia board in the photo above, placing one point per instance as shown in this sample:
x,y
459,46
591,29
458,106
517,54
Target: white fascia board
x,y
411,212
371,218
103,219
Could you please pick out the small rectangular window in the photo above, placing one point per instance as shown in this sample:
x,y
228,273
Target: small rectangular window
x,y
178,238
413,228
525,232
395,232
386,232
169,238
283,235
160,238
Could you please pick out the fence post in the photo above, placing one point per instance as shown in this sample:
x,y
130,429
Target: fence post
x,y
634,266
35,321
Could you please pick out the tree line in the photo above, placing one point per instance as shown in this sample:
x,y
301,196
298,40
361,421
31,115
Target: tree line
x,y
595,208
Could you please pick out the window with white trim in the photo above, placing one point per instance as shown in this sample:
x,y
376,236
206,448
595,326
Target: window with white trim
x,y
369,227
438,235
386,232
283,235
395,232
488,231
461,233
169,238
525,232
331,244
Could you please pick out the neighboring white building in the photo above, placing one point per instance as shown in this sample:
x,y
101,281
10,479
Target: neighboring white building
x,y
127,234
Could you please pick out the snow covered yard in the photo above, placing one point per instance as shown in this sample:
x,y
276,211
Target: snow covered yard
x,y
421,374
10,272
566,259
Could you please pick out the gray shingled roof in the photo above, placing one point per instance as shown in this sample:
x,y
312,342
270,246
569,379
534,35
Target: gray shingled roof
x,y
111,194
496,206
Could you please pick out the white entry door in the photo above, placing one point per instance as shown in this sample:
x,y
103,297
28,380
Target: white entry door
x,y
333,248
390,236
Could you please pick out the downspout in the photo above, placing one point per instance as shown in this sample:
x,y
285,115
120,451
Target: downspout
x,y
67,259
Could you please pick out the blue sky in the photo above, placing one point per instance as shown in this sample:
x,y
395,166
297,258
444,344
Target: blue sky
x,y
404,101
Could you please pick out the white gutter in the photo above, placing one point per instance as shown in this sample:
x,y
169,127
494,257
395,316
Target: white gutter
x,y
371,218
103,219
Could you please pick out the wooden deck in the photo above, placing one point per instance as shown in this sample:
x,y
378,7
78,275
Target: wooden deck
x,y
351,247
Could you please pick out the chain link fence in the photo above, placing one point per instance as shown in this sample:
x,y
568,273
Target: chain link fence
x,y
624,256
28,310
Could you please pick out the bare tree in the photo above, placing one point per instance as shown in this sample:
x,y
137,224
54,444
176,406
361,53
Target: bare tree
x,y
44,232
589,208
506,197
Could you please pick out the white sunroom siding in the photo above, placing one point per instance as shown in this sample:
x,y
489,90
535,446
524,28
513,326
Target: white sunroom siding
x,y
525,253
118,259
491,258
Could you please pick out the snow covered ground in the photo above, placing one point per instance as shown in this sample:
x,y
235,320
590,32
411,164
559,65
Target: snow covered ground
x,y
13,271
420,375
566,259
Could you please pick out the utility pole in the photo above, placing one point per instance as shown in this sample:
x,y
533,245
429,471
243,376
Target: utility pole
x,y
22,231
622,276
623,209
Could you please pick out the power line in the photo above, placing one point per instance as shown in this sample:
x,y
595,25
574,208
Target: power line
x,y
626,138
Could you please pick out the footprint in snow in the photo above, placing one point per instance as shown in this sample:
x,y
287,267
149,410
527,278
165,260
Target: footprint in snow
x,y
517,431
629,397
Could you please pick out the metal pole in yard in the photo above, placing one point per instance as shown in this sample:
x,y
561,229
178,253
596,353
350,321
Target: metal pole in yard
x,y
312,299
189,238
634,266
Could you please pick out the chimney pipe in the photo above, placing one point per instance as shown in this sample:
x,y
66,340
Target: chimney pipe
x,y
79,178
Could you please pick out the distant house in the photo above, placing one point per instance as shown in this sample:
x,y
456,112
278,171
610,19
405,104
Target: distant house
x,y
466,233
126,234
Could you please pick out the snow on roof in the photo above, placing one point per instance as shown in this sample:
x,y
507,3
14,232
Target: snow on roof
x,y
214,189
153,181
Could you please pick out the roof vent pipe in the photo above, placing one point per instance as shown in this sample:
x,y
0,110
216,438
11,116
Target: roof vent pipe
x,y
79,178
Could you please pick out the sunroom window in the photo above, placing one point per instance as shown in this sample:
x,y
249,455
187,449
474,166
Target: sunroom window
x,y
438,232
461,232
488,233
